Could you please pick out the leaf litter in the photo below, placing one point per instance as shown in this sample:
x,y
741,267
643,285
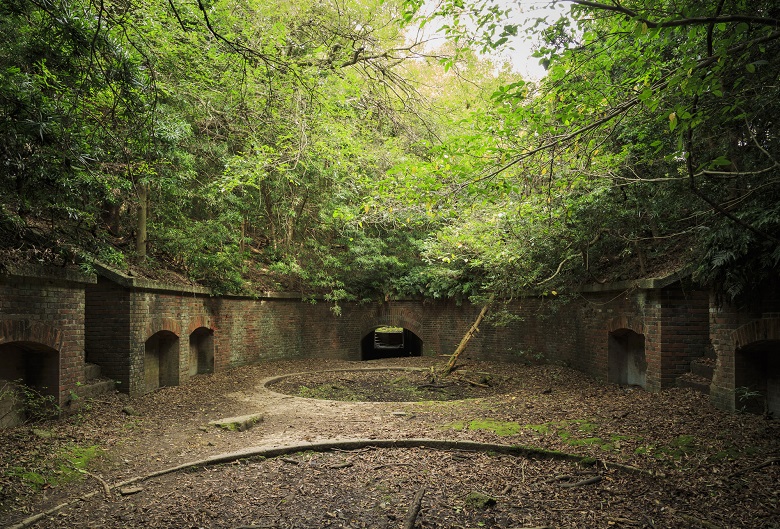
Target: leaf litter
x,y
667,459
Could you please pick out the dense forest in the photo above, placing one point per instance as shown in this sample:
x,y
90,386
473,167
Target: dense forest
x,y
379,149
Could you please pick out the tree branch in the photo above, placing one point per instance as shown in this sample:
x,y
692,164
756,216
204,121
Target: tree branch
x,y
690,21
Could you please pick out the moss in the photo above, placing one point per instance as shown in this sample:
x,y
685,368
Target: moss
x,y
67,465
538,428
501,428
477,500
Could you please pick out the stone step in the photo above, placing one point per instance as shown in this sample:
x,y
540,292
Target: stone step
x,y
95,388
694,382
91,371
703,367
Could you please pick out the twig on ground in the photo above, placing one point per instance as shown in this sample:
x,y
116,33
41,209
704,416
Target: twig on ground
x,y
414,509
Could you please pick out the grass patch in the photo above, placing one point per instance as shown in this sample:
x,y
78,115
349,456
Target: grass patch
x,y
502,428
65,466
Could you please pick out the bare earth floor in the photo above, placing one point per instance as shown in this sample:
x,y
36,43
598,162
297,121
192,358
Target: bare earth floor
x,y
594,455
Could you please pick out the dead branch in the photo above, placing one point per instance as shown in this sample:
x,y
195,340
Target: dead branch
x,y
414,509
759,466
106,488
474,383
471,332
589,481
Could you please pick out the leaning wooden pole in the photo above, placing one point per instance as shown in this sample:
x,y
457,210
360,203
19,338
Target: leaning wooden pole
x,y
471,332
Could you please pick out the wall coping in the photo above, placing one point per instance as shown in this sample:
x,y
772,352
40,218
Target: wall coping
x,y
146,284
653,283
131,282
49,273
124,280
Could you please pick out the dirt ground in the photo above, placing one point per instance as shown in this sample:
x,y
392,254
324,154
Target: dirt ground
x,y
594,455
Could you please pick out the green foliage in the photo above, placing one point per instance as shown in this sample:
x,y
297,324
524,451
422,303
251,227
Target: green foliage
x,y
65,466
33,404
314,144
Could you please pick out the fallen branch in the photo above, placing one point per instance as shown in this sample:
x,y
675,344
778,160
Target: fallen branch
x,y
759,466
478,384
589,481
106,488
471,332
386,465
434,386
414,509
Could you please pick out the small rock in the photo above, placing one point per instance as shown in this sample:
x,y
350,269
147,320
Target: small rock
x,y
477,500
129,410
127,491
43,434
203,428
237,424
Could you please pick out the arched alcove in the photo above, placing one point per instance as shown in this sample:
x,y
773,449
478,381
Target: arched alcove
x,y
757,377
35,365
627,364
390,342
201,351
161,360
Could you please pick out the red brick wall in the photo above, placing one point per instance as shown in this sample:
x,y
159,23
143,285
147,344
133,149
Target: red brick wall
x,y
574,333
46,306
733,328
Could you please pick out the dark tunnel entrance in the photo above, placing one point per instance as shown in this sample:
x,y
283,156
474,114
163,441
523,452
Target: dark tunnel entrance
x,y
390,342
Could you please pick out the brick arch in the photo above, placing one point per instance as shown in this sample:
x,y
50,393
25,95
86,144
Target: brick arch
x,y
199,321
624,321
30,331
761,330
370,322
162,324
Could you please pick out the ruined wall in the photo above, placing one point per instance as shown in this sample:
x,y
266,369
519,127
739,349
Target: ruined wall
x,y
123,314
42,314
733,332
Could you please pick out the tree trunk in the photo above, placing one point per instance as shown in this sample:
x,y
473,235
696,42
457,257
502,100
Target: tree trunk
x,y
140,237
462,346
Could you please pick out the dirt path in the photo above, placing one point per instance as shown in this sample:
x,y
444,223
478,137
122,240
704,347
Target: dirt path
x,y
696,466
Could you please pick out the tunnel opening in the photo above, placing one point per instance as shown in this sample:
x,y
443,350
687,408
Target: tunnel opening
x,y
34,366
627,364
201,351
161,360
757,378
390,342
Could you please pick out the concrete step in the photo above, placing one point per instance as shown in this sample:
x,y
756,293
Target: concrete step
x,y
694,382
95,388
703,367
91,371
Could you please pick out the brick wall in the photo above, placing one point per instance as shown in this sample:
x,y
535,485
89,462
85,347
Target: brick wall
x,y
42,314
733,332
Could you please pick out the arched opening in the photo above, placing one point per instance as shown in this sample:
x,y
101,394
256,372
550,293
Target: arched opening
x,y
390,342
37,367
757,378
627,364
201,351
161,360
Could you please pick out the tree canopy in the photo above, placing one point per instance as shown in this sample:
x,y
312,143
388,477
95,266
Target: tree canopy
x,y
326,147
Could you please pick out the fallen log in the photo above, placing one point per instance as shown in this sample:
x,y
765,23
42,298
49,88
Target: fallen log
x,y
589,481
471,332
414,509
